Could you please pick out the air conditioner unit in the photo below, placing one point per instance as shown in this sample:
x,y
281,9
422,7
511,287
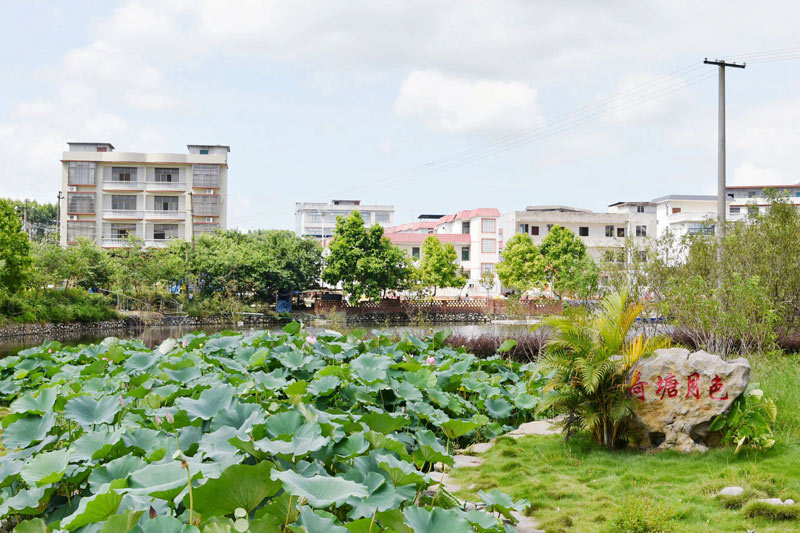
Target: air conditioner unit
x,y
209,219
73,217
72,188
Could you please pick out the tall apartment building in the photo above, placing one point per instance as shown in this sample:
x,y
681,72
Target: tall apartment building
x,y
318,219
600,232
110,196
475,234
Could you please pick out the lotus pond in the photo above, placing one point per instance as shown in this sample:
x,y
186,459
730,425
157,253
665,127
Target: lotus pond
x,y
262,432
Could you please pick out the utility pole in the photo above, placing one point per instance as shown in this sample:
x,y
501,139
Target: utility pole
x,y
58,218
25,227
721,178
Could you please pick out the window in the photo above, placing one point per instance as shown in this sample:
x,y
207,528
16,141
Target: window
x,y
415,252
204,228
102,149
165,231
620,232
122,231
81,173
205,205
752,210
465,253
165,203
534,230
676,210
698,228
549,227
465,227
315,217
640,209
583,231
205,175
641,231
642,256
80,203
382,216
123,202
735,210
609,231
487,267
123,174
487,225
523,228
203,151
488,246
80,229
166,175
751,194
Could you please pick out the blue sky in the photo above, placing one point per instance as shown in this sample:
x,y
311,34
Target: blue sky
x,y
329,99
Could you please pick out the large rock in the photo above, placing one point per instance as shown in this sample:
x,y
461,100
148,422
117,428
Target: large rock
x,y
679,393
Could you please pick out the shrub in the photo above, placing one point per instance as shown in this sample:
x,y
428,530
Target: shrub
x,y
590,358
56,305
642,515
749,422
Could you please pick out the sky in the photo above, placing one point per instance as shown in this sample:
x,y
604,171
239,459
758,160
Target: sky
x,y
431,106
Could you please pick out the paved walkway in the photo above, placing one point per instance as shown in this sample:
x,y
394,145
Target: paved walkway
x,y
526,524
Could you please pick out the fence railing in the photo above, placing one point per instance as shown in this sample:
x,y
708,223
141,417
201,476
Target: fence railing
x,y
413,307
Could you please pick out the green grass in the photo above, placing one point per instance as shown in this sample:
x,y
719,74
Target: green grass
x,y
579,487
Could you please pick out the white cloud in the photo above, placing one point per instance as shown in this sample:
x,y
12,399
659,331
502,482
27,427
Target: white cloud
x,y
464,107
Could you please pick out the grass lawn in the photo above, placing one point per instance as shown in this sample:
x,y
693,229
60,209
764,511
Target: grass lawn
x,y
579,487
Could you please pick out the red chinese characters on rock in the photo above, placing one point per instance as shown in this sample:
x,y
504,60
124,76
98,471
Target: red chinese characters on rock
x,y
692,388
637,387
668,386
716,387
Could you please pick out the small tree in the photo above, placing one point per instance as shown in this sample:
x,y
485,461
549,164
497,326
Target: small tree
x,y
15,247
487,281
522,266
567,266
364,261
438,266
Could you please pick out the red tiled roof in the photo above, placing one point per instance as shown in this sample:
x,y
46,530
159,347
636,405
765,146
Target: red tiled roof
x,y
470,213
416,238
412,226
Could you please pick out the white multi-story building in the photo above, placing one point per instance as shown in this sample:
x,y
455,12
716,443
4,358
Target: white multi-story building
x,y
600,232
686,214
110,196
475,234
318,219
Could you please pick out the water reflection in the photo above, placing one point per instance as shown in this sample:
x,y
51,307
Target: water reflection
x,y
153,336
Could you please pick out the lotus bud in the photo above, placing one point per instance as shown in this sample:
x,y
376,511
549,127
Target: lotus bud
x,y
170,418
430,360
158,420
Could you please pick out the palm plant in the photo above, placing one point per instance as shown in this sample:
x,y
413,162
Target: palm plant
x,y
590,357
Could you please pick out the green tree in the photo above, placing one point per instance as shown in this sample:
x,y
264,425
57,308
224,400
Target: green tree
x,y
487,281
566,265
364,260
438,267
41,217
522,266
15,257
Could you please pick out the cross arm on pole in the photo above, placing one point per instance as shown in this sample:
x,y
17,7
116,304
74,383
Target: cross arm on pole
x,y
722,63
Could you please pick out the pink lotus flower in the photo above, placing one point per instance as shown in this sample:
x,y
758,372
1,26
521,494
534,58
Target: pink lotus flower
x,y
185,343
170,418
404,358
49,350
430,361
311,339
158,420
121,400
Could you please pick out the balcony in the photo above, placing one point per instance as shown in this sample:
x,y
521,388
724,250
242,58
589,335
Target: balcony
x,y
115,242
166,215
157,243
122,214
123,185
166,186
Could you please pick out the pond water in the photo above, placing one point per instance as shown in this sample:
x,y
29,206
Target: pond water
x,y
153,336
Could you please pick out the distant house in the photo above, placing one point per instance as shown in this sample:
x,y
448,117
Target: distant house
x,y
475,234
318,219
